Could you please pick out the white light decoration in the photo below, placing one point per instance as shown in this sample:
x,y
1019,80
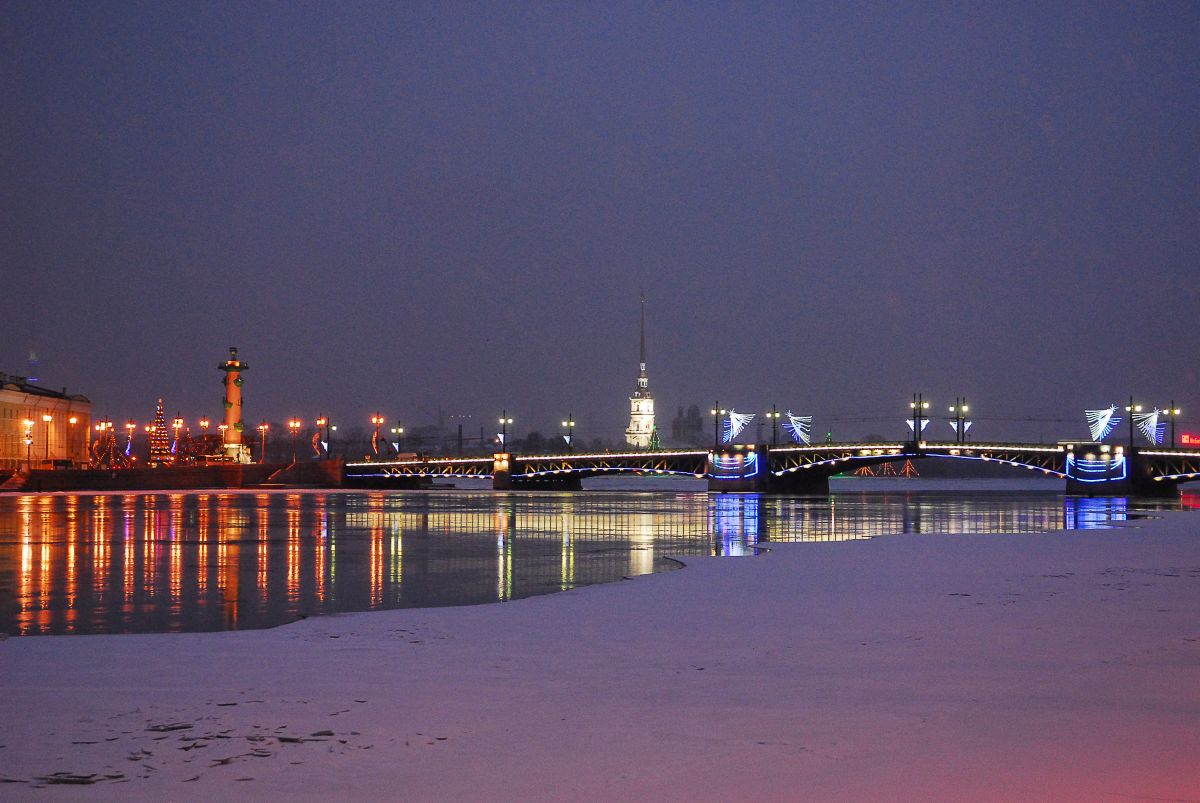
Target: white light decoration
x,y
1102,422
953,425
734,425
1147,424
911,424
500,437
799,427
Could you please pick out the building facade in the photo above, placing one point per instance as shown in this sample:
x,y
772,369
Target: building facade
x,y
42,428
641,404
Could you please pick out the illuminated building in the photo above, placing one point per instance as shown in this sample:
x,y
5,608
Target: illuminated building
x,y
641,403
61,440
233,368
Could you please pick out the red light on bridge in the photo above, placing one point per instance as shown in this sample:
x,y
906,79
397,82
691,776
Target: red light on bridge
x,y
1187,439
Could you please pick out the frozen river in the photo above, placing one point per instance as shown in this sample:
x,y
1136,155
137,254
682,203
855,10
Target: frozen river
x,y
146,562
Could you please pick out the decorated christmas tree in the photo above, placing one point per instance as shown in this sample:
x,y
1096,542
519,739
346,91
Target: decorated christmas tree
x,y
160,441
655,442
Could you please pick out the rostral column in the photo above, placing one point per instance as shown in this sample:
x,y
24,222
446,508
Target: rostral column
x,y
233,368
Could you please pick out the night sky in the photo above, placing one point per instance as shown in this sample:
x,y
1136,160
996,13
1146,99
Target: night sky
x,y
454,206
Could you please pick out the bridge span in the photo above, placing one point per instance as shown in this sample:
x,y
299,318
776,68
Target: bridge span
x,y
1088,469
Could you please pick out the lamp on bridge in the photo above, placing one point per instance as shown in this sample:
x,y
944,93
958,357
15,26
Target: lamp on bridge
x,y
504,422
1173,412
959,409
774,416
569,423
1131,409
323,421
222,428
398,431
918,405
294,426
718,414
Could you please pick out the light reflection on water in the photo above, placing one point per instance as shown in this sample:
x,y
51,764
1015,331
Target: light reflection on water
x,y
215,561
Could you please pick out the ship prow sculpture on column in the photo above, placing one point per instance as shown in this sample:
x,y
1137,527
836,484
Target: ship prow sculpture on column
x,y
234,447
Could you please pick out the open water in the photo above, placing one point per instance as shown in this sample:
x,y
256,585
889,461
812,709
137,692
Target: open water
x,y
154,562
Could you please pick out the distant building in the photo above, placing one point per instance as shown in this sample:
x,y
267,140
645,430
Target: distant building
x,y
24,410
641,403
688,428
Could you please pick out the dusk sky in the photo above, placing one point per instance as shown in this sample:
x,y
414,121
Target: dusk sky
x,y
407,207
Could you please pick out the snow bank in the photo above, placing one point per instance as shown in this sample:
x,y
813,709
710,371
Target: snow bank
x,y
1062,666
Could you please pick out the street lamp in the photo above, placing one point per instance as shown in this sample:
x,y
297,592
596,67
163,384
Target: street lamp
x,y
569,423
918,405
774,416
718,412
294,426
398,431
377,420
28,424
262,455
71,437
47,418
222,428
959,408
323,421
130,426
504,422
1173,412
1129,411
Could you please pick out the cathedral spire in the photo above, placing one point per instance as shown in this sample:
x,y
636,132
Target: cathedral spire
x,y
641,433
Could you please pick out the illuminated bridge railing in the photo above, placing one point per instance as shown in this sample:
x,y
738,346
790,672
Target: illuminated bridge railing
x,y
680,463
790,459
1173,464
1049,459
431,467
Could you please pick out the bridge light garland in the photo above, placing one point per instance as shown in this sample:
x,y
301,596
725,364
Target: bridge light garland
x,y
734,424
799,427
1101,423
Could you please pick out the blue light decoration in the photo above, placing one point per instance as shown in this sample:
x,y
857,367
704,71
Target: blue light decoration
x,y
567,438
911,424
1101,423
1147,424
1094,513
736,466
734,425
1082,469
799,428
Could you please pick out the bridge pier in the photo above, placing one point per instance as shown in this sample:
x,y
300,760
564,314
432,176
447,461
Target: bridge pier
x,y
503,479
747,469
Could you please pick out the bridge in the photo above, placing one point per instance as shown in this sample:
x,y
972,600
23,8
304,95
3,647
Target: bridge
x,y
1087,468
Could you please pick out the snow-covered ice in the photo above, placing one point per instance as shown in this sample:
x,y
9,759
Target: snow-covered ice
x,y
1060,666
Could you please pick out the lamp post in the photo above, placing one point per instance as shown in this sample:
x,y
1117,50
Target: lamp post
x,y
377,420
398,431
718,412
46,419
130,426
504,422
28,424
72,421
1129,411
569,423
774,414
918,405
262,455
222,428
1173,412
959,408
294,426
